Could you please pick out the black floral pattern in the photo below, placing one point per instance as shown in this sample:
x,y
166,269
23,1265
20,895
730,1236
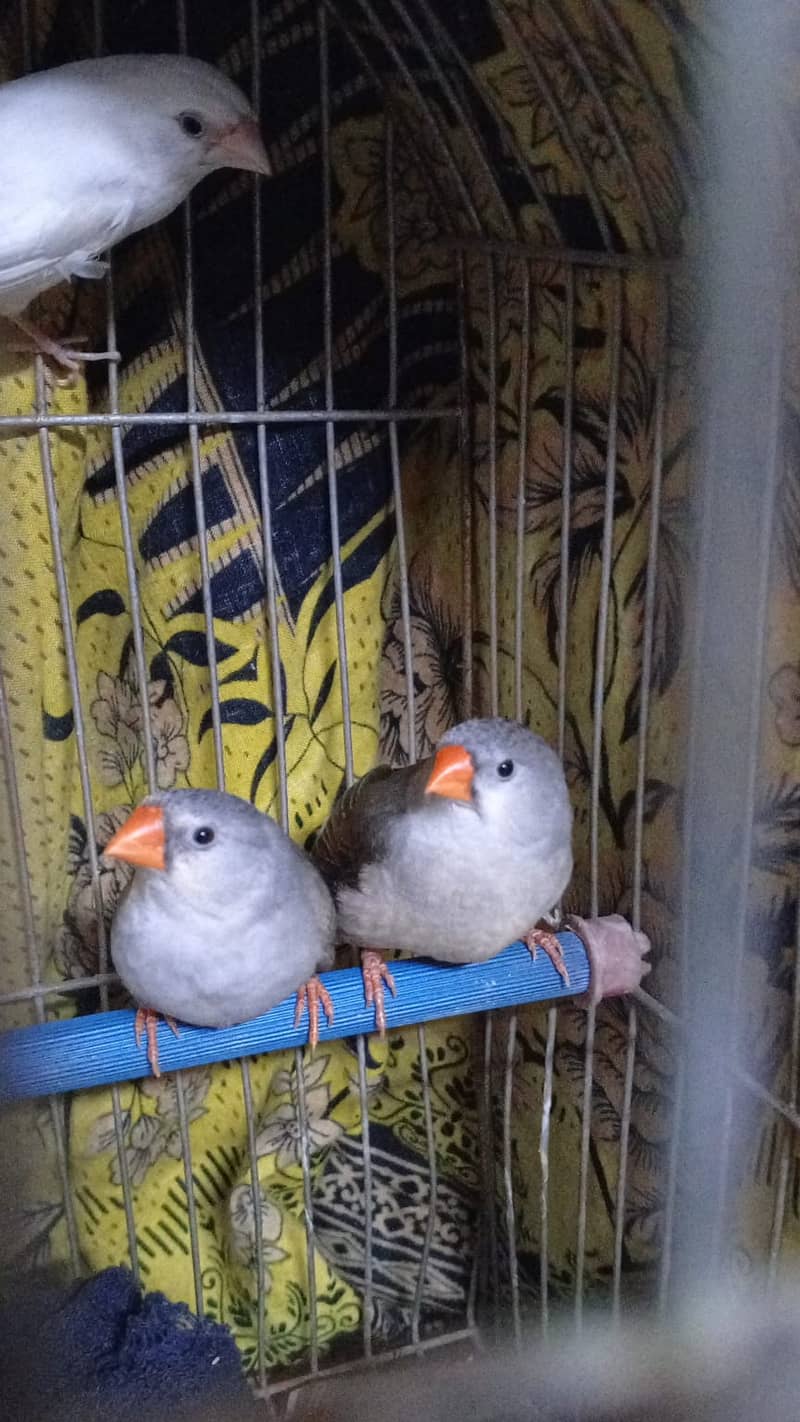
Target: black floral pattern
x,y
436,651
78,943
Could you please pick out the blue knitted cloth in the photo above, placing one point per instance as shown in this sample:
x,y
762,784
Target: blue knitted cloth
x,y
103,1349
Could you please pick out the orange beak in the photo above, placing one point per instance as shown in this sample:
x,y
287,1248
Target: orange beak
x,y
452,774
243,147
141,839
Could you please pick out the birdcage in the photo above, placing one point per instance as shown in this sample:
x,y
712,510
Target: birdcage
x,y
411,431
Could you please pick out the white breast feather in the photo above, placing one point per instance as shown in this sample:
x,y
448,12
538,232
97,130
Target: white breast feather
x,y
70,186
465,904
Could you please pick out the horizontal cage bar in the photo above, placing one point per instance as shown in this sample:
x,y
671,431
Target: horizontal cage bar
x,y
187,418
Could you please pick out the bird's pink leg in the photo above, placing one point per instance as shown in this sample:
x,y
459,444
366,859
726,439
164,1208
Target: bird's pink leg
x,y
546,940
375,973
59,351
147,1022
313,992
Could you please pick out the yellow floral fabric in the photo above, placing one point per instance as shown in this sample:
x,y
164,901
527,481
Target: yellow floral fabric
x,y
643,89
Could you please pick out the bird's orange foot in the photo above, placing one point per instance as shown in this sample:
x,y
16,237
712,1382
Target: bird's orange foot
x,y
313,992
375,973
547,941
147,1022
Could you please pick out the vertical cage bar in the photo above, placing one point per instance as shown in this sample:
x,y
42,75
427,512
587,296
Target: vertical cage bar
x,y
408,655
508,1179
666,1270
34,962
508,1087
489,1283
613,130
544,1168
663,118
258,1223
20,850
491,303
275,663
308,1210
433,1177
670,1193
563,627
472,1292
367,1158
262,456
397,487
194,454
641,771
561,118
120,481
665,1262
566,502
56,1108
97,36
141,671
427,112
622,1174
26,35
583,1184
191,1202
65,610
449,47
330,442
144,701
28,40
125,1179
788,1143
137,632
522,470
597,747
650,601
598,697
463,116
467,473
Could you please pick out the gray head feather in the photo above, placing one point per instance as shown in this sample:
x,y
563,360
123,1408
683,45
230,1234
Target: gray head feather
x,y
519,780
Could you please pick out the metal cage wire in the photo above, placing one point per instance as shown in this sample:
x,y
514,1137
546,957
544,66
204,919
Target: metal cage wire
x,y
496,263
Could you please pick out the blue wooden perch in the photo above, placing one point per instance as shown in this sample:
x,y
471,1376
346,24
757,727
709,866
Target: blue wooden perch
x,y
99,1049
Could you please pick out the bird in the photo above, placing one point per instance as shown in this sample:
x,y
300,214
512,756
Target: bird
x,y
93,151
224,916
452,858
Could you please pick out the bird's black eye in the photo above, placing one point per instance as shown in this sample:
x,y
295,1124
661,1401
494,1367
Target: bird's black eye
x,y
192,126
204,835
505,768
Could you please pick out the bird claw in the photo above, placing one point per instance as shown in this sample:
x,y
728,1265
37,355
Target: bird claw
x,y
313,993
375,973
547,941
147,1022
61,352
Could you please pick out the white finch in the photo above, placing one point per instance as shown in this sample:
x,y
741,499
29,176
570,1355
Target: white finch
x,y
93,151
452,858
224,916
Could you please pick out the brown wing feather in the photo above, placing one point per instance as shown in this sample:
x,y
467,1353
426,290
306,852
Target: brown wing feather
x,y
355,833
